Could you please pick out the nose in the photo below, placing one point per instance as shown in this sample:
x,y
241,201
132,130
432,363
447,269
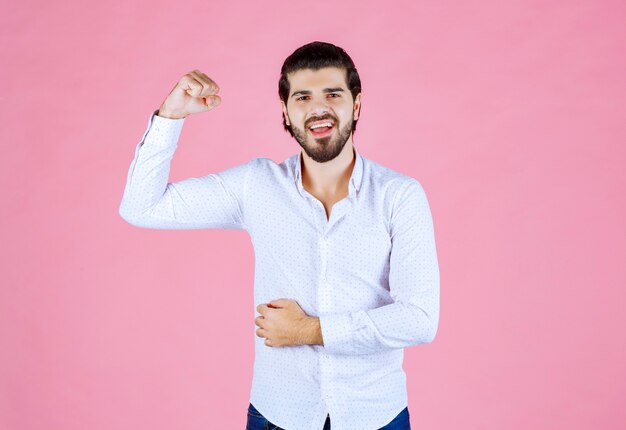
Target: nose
x,y
319,109
319,106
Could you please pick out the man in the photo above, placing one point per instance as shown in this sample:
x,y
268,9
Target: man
x,y
346,270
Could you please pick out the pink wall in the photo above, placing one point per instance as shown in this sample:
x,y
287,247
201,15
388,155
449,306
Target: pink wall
x,y
511,114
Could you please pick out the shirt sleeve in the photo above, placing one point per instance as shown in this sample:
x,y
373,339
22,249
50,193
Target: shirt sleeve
x,y
149,200
413,317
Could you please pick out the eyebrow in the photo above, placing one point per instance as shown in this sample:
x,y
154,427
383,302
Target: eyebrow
x,y
326,90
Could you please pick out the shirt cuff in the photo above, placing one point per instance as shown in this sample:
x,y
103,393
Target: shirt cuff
x,y
164,131
337,332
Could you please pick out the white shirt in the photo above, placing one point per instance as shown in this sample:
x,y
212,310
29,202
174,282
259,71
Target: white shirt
x,y
370,273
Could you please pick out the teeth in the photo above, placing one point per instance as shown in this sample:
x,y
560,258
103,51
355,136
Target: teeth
x,y
325,124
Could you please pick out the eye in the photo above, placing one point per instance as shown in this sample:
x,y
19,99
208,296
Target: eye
x,y
334,94
301,97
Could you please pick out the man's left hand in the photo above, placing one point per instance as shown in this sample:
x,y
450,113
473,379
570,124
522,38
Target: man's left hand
x,y
284,323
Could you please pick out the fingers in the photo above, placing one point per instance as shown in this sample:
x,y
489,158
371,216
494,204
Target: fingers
x,y
261,332
279,303
204,79
198,84
263,308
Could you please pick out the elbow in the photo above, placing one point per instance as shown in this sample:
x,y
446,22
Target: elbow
x,y
426,326
431,333
426,334
432,324
123,213
127,215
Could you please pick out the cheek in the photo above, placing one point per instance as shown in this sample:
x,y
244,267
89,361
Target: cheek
x,y
347,116
295,118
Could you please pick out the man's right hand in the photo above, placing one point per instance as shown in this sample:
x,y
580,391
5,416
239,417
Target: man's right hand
x,y
194,92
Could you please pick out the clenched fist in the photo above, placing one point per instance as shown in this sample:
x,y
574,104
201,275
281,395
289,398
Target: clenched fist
x,y
194,92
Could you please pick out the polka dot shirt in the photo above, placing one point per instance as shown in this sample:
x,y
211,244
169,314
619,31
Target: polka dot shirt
x,y
369,272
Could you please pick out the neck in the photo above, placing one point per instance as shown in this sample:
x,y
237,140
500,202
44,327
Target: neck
x,y
331,177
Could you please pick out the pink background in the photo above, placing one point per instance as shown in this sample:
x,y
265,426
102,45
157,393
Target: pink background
x,y
511,115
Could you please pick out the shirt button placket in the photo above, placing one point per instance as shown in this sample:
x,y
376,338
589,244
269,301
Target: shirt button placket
x,y
325,306
326,378
324,252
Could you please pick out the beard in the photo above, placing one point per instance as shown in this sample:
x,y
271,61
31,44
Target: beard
x,y
326,148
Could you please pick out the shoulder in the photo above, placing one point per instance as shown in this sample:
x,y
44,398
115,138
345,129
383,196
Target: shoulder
x,y
266,170
267,164
396,184
406,203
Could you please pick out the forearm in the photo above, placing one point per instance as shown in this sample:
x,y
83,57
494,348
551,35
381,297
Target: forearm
x,y
393,326
148,174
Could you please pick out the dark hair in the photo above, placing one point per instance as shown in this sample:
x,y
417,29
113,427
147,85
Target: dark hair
x,y
317,55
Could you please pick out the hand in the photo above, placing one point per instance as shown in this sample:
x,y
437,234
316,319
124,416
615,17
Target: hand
x,y
284,323
195,92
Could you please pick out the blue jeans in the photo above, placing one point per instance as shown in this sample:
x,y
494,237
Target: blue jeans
x,y
256,421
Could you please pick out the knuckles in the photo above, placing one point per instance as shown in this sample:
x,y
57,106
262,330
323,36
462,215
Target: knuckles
x,y
209,86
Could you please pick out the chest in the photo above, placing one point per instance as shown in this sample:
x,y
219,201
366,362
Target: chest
x,y
340,233
329,201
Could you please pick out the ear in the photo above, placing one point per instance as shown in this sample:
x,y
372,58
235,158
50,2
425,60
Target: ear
x,y
357,106
285,114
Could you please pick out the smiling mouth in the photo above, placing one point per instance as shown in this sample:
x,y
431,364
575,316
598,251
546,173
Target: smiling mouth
x,y
322,131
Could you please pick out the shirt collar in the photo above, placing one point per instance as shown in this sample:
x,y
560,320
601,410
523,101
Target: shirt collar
x,y
355,178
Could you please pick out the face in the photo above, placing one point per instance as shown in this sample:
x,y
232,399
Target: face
x,y
318,96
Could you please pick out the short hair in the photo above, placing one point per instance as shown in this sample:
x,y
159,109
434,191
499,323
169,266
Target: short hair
x,y
314,56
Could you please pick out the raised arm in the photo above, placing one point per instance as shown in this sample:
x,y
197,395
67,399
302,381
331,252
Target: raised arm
x,y
149,200
413,318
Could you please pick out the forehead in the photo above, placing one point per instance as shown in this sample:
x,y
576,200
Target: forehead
x,y
306,79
